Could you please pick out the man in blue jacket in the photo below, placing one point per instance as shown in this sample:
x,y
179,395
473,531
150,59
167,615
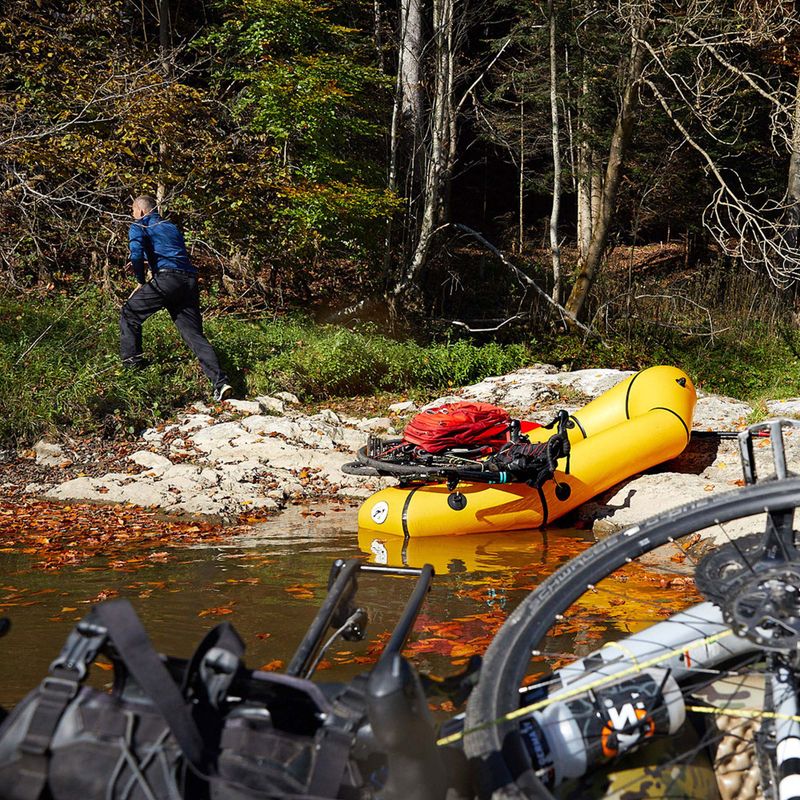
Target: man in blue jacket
x,y
173,286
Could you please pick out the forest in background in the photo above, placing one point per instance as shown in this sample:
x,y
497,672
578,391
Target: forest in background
x,y
329,154
556,173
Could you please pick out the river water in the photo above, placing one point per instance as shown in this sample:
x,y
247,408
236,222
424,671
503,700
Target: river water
x,y
269,583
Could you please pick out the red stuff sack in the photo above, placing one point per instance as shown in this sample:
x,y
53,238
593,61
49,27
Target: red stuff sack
x,y
462,424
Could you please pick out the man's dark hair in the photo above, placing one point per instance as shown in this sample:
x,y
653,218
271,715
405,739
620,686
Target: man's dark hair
x,y
146,202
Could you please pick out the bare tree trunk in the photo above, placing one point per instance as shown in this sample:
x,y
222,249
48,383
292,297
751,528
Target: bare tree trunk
x,y
164,44
793,181
620,140
410,57
584,179
377,35
441,151
521,202
554,213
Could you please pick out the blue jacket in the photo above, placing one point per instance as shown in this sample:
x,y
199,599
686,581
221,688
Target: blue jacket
x,y
158,242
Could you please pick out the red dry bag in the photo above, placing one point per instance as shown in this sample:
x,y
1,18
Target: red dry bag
x,y
462,424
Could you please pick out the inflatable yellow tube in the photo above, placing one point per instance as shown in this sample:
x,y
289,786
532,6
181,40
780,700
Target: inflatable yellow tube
x,y
643,421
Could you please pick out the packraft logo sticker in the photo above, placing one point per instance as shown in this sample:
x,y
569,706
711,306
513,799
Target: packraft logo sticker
x,y
379,512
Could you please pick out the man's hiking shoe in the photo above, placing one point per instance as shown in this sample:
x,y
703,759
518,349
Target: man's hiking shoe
x,y
222,392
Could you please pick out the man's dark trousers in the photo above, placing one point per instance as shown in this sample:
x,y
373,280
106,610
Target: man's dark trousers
x,y
175,290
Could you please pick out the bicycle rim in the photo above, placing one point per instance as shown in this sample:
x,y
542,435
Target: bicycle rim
x,y
494,745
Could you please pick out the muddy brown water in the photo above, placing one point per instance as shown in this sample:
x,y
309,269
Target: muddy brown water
x,y
269,584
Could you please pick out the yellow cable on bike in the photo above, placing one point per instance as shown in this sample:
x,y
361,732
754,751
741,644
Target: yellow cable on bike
x,y
583,688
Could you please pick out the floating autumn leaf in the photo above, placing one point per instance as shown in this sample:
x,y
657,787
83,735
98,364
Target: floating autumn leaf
x,y
263,635
301,591
272,666
218,611
103,594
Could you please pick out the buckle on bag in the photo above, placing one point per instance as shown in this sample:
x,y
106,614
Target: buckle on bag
x,y
63,687
217,671
80,650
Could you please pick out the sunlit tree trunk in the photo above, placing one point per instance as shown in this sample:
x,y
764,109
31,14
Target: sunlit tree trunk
x,y
441,147
584,179
521,199
793,182
555,250
620,139
165,53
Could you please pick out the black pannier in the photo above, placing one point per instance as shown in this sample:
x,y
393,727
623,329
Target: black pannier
x,y
170,728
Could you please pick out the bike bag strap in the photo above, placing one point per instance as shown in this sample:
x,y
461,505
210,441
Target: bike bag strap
x,y
116,622
56,692
127,634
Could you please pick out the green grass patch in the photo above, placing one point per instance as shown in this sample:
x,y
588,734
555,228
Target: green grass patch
x,y
61,369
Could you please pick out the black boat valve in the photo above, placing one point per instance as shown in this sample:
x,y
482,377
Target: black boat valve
x,y
563,491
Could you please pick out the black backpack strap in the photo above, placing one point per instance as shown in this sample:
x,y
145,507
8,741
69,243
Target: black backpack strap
x,y
130,639
55,693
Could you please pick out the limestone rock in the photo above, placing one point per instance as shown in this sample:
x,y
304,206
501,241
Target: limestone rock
x,y
194,422
375,425
266,425
245,406
328,415
404,407
591,382
270,405
144,458
49,454
644,496
718,413
784,408
442,401
288,398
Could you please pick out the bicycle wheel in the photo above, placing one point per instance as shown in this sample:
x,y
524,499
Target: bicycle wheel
x,y
495,744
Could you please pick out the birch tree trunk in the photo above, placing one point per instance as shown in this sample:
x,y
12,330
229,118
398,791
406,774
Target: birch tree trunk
x,y
165,53
521,198
584,178
441,148
620,139
410,57
793,180
554,213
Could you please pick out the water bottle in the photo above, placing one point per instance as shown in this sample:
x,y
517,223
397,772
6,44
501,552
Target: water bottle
x,y
567,738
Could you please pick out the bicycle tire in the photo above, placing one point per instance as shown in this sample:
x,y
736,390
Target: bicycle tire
x,y
502,767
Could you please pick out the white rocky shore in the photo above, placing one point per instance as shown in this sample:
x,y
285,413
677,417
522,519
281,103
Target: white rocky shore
x,y
259,455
